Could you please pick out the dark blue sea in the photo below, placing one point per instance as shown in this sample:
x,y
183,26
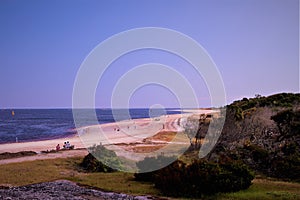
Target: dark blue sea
x,y
40,124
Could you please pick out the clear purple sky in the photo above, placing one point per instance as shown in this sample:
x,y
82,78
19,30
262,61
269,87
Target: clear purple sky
x,y
254,43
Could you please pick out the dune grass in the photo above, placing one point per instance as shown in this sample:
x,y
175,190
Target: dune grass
x,y
18,174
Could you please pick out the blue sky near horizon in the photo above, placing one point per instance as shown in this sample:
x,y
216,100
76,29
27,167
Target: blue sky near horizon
x,y
254,43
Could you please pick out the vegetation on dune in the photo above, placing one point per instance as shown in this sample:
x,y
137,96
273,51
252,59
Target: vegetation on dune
x,y
101,159
288,123
275,100
178,179
199,178
244,106
264,132
150,164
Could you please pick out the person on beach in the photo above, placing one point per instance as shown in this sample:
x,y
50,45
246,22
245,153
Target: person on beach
x,y
57,147
68,145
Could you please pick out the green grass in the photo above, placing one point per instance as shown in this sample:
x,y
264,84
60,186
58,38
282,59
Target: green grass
x,y
117,181
17,174
266,189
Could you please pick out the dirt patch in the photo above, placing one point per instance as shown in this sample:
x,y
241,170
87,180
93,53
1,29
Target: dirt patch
x,y
146,148
154,143
165,136
8,155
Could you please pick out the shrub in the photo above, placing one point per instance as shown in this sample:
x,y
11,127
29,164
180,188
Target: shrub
x,y
288,123
238,113
171,180
101,159
149,166
258,154
239,175
287,167
201,177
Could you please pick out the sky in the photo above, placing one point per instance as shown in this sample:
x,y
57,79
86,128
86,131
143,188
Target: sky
x,y
254,44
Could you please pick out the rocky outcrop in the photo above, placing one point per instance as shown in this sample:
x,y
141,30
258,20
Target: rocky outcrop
x,y
62,190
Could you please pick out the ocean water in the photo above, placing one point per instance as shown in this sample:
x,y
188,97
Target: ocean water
x,y
40,124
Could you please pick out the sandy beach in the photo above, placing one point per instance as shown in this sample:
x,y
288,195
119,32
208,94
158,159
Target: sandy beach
x,y
119,134
129,131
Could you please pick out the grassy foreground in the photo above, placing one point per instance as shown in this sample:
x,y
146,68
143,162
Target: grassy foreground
x,y
17,174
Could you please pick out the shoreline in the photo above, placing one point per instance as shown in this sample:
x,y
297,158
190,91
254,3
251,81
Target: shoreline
x,y
74,132
74,139
110,134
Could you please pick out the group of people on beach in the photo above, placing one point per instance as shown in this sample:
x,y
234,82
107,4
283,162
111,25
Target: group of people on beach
x,y
66,145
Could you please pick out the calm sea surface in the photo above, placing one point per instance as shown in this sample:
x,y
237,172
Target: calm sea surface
x,y
40,124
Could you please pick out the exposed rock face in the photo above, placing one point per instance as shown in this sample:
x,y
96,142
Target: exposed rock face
x,y
62,190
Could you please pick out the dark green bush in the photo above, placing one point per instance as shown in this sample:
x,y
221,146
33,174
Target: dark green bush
x,y
101,159
286,100
290,149
258,153
149,166
171,180
201,178
288,123
238,174
287,167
